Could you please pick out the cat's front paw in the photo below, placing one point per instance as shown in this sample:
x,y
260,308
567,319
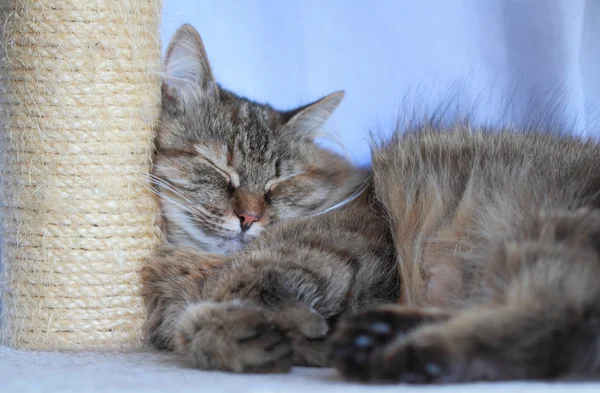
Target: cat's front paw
x,y
368,346
308,331
232,337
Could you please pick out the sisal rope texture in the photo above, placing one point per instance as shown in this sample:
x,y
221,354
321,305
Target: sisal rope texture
x,y
80,94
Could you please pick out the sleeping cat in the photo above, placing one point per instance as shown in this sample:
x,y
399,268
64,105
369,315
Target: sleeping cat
x,y
470,255
227,167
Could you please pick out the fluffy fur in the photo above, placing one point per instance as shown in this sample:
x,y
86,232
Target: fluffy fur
x,y
472,255
227,167
497,240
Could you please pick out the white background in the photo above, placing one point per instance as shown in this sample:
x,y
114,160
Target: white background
x,y
498,61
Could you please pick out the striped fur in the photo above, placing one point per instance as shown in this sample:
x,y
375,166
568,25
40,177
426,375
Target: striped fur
x,y
472,255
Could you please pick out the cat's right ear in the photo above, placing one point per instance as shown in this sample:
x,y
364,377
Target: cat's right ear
x,y
187,70
309,118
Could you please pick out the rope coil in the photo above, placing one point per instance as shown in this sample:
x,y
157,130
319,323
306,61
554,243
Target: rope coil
x,y
80,93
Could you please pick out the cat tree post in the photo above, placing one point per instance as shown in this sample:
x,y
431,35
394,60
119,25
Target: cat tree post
x,y
80,95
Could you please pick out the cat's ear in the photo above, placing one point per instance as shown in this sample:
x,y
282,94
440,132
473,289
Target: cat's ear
x,y
309,118
186,64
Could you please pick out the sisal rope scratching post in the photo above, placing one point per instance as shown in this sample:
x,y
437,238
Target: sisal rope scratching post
x,y
81,93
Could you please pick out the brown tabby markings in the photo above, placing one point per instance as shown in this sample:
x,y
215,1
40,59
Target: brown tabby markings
x,y
227,167
490,242
516,241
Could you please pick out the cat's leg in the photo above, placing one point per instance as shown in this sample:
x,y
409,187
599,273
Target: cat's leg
x,y
235,336
173,278
292,291
244,337
541,320
232,336
260,318
250,336
284,290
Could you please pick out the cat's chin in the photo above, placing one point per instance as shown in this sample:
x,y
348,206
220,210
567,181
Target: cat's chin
x,y
234,244
231,246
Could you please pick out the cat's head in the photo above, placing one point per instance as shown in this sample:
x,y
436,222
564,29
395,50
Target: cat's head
x,y
227,167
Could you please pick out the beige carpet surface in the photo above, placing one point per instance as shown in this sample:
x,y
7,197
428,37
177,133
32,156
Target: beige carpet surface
x,y
24,372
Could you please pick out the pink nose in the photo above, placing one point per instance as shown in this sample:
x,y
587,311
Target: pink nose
x,y
247,219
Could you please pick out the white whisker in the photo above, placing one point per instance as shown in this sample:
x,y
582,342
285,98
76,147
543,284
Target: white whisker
x,y
171,189
344,202
156,180
164,183
153,179
149,180
172,201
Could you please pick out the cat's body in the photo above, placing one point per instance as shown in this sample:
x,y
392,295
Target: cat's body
x,y
485,247
292,274
497,238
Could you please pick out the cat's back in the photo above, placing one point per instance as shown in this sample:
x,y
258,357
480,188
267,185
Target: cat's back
x,y
448,193
539,166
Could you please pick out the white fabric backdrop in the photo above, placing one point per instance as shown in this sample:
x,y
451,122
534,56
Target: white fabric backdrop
x,y
515,61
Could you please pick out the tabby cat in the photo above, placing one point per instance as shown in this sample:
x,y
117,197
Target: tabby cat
x,y
469,255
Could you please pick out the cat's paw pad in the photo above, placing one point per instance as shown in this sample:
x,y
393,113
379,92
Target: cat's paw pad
x,y
357,338
414,362
362,342
233,337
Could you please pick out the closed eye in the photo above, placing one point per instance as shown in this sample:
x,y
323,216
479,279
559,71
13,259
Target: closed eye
x,y
277,168
217,157
268,196
273,183
230,175
230,187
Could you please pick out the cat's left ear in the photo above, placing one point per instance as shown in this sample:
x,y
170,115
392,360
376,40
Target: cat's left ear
x,y
186,65
309,118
